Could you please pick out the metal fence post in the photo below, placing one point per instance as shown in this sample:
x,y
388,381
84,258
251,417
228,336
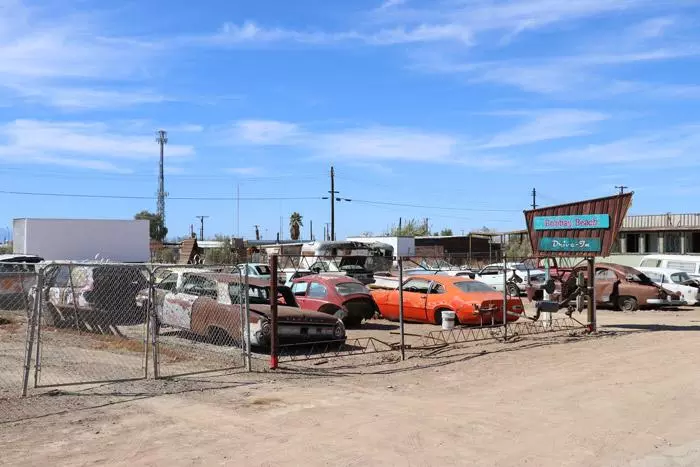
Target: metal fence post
x,y
246,316
33,322
592,321
155,323
401,330
273,310
505,297
147,338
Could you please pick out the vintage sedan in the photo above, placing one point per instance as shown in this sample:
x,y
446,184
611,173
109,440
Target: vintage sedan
x,y
625,288
208,304
426,297
674,280
340,296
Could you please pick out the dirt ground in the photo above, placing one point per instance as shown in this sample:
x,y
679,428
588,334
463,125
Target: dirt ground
x,y
628,396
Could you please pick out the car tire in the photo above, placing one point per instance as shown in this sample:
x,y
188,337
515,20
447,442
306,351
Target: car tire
x,y
627,303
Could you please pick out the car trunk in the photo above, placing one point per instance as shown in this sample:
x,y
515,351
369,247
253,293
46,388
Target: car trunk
x,y
286,314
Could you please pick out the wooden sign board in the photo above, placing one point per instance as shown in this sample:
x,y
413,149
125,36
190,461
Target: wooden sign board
x,y
585,228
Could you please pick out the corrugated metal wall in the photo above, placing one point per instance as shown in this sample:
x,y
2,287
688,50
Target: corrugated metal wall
x,y
662,221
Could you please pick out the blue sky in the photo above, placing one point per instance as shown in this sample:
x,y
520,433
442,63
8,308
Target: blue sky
x,y
447,109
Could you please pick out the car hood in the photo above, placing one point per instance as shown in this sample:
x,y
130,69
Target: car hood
x,y
292,314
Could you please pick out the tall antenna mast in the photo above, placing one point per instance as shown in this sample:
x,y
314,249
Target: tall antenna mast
x,y
162,140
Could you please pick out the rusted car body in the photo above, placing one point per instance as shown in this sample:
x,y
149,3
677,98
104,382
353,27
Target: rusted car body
x,y
17,277
426,297
341,296
98,297
625,288
208,304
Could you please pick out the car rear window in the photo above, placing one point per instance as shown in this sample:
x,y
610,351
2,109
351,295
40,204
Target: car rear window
x,y
473,286
349,288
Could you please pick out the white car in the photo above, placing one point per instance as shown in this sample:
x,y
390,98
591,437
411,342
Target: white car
x,y
492,275
673,280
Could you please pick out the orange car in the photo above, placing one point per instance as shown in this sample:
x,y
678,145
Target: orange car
x,y
426,297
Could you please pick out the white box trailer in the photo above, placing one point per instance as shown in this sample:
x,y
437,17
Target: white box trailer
x,y
115,240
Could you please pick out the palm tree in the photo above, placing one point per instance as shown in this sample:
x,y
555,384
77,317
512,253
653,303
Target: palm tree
x,y
295,224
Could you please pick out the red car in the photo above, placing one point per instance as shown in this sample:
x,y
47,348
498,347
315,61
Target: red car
x,y
340,296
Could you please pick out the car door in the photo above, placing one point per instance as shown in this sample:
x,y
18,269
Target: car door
x,y
605,284
415,295
299,290
178,304
316,296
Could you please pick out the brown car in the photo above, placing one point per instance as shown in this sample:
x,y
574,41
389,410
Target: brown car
x,y
625,288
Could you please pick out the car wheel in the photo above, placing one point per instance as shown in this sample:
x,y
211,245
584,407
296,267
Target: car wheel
x,y
628,304
513,290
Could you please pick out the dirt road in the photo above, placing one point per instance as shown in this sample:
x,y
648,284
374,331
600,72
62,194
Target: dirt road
x,y
628,397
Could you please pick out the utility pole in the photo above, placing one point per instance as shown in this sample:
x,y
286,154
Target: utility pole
x,y
238,210
622,189
534,199
327,232
311,230
332,192
201,228
162,140
257,232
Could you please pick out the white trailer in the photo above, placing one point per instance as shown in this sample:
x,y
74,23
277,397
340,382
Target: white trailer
x,y
115,240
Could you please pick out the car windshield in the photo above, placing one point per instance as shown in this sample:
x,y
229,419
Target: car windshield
x,y
473,286
349,288
522,267
680,277
261,295
263,270
641,278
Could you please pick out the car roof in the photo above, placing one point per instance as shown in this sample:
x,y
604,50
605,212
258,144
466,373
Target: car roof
x,y
692,258
662,270
334,279
443,279
9,258
224,277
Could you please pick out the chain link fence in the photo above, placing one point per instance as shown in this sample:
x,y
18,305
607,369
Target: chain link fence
x,y
16,279
198,319
77,323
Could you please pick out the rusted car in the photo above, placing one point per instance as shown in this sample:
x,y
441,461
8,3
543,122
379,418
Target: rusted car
x,y
99,297
341,296
625,288
426,297
208,304
17,277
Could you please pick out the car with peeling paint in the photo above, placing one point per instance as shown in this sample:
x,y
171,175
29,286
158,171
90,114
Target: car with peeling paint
x,y
17,277
209,305
341,296
96,297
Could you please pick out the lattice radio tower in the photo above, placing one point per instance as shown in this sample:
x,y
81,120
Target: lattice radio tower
x,y
162,140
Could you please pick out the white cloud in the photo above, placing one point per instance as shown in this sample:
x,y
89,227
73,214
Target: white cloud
x,y
244,170
374,145
78,144
651,28
391,4
545,126
675,146
249,33
265,132
41,55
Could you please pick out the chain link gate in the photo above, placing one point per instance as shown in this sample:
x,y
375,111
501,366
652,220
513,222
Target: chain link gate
x,y
90,327
198,316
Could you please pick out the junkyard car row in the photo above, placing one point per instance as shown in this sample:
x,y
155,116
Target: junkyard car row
x,y
318,303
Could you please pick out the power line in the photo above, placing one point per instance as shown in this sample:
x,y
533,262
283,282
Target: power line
x,y
418,206
180,198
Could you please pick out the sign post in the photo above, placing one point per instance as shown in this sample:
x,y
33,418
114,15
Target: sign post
x,y
583,229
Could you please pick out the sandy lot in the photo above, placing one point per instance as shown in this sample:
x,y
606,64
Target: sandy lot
x,y
629,396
